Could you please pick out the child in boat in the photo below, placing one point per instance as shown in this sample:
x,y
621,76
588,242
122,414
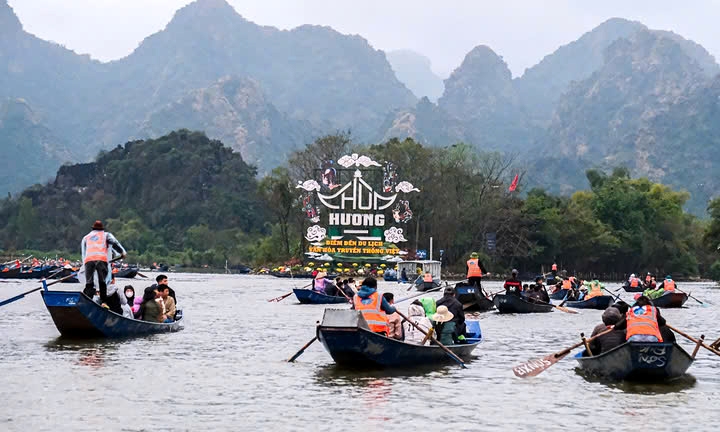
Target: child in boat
x,y
416,314
395,328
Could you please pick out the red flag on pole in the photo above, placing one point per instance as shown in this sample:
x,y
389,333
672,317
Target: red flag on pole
x,y
514,183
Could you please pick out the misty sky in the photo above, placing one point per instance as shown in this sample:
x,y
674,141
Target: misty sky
x,y
521,31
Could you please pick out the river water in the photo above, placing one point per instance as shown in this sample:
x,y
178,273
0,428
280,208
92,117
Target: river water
x,y
227,370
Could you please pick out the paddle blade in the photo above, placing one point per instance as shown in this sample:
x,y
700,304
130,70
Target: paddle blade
x,y
536,366
564,309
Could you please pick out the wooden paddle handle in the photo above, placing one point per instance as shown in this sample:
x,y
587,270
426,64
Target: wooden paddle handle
x,y
567,350
714,351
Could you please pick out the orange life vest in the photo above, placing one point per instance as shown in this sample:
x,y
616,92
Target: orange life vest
x,y
427,277
474,269
554,267
634,282
372,312
566,284
595,291
96,247
643,324
669,285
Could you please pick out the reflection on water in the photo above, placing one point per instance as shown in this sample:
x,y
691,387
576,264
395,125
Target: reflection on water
x,y
685,382
228,371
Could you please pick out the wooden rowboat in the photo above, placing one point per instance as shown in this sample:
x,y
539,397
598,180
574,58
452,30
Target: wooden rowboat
x,y
638,361
600,302
128,273
472,298
515,304
77,316
308,296
559,294
671,300
346,336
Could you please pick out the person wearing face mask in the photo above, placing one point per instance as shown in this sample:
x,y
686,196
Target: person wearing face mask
x,y
130,296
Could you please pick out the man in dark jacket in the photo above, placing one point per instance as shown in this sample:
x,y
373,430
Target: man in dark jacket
x,y
513,285
615,338
455,307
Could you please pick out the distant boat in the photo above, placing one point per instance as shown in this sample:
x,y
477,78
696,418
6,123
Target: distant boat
x,y
127,273
599,302
516,304
308,296
472,298
76,316
636,361
670,300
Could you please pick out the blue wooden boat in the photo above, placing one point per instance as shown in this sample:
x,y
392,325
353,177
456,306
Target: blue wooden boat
x,y
308,296
77,316
638,361
600,302
346,336
515,304
671,300
472,298
559,294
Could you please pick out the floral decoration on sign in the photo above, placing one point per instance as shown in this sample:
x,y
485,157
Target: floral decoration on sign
x,y
357,160
394,235
308,185
406,187
315,233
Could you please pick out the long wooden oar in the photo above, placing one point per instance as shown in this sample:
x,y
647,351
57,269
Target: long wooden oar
x,y
537,366
613,295
691,296
19,296
420,294
282,297
560,308
302,350
699,342
444,348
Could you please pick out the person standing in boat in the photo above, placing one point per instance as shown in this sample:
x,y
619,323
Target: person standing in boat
x,y
97,247
373,306
513,286
474,270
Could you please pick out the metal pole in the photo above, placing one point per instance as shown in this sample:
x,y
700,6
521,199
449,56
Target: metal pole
x,y
431,249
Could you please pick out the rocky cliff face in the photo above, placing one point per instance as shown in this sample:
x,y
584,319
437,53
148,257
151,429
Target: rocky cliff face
x,y
616,116
236,112
481,94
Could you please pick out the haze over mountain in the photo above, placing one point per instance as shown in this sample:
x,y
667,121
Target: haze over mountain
x,y
310,75
621,94
414,70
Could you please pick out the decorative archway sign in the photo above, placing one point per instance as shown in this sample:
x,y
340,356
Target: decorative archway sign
x,y
357,211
